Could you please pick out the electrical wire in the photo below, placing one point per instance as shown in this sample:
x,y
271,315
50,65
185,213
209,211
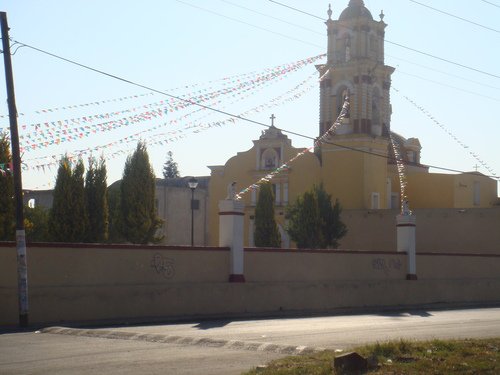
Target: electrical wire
x,y
405,47
298,10
454,16
443,72
272,17
489,2
248,24
446,85
223,112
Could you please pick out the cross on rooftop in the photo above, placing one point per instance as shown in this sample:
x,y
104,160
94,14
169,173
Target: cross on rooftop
x,y
272,119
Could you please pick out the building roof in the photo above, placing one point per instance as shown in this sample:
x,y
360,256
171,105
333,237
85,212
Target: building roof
x,y
355,9
183,182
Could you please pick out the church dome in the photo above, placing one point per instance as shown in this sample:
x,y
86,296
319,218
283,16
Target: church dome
x,y
355,9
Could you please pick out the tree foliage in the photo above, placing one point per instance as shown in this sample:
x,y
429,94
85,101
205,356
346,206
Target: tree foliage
x,y
137,204
170,168
313,222
266,229
96,200
67,219
36,224
7,208
115,234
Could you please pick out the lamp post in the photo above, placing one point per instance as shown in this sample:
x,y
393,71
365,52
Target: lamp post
x,y
193,183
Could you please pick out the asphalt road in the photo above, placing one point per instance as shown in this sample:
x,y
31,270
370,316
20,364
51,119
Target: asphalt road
x,y
224,347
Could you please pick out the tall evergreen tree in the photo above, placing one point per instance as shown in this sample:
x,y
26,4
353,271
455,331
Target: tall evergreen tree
x,y
115,220
137,203
170,168
67,219
313,222
266,229
96,201
36,221
7,208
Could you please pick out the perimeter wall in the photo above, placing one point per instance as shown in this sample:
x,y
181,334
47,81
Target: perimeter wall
x,y
120,283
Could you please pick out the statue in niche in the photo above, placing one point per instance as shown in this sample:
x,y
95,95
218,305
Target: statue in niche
x,y
270,162
231,191
347,48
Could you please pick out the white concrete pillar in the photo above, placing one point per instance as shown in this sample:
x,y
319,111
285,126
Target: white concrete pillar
x,y
231,214
406,227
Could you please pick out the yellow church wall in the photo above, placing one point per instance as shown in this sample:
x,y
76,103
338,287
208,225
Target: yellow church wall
x,y
303,173
465,186
375,177
430,190
341,172
435,190
341,177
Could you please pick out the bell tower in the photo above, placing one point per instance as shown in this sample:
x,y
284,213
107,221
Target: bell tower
x,y
355,67
353,159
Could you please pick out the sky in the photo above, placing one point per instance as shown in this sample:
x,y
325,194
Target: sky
x,y
221,54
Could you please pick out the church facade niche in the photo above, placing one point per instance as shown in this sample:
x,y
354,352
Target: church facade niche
x,y
376,123
341,92
270,158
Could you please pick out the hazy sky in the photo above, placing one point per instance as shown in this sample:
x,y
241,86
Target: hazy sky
x,y
194,47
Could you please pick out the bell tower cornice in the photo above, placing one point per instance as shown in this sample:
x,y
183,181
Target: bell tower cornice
x,y
355,68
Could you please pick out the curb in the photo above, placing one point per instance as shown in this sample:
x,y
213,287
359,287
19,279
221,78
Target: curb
x,y
169,339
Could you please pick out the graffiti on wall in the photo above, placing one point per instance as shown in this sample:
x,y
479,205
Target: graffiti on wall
x,y
163,265
386,265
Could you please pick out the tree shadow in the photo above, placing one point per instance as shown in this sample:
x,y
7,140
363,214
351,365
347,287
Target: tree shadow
x,y
210,324
406,313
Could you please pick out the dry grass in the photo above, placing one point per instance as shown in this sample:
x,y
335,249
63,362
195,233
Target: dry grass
x,y
403,357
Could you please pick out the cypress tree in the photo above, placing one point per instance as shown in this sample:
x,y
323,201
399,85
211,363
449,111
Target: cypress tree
x,y
266,230
115,220
303,221
313,222
36,221
7,209
170,168
67,219
137,204
96,200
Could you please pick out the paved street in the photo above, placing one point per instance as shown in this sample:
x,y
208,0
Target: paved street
x,y
223,347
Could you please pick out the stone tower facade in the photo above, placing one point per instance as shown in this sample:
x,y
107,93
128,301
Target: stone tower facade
x,y
355,67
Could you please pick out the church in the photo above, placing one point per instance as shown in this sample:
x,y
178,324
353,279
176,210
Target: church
x,y
357,161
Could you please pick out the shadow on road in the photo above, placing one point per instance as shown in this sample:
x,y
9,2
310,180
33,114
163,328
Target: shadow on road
x,y
212,324
402,314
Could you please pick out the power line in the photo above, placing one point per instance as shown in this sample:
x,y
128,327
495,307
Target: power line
x,y
443,59
403,46
139,84
442,72
220,111
272,17
489,2
298,10
249,24
457,17
446,85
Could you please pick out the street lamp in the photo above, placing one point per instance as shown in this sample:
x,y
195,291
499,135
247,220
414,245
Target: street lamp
x,y
193,183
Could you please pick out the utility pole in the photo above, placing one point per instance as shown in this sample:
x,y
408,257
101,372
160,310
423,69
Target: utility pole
x,y
22,264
